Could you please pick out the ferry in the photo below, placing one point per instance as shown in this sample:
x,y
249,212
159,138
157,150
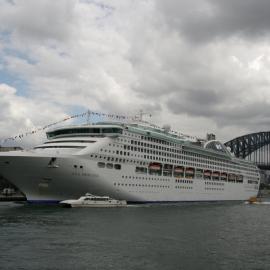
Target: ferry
x,y
134,161
90,200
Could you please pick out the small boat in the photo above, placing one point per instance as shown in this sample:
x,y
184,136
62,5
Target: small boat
x,y
90,200
255,200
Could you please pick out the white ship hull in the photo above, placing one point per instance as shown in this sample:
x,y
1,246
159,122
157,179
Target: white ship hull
x,y
42,183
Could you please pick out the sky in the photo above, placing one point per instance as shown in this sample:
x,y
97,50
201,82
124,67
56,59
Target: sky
x,y
201,66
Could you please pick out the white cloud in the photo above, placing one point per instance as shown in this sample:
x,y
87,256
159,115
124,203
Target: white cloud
x,y
121,56
19,115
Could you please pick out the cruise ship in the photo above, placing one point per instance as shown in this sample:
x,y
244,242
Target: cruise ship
x,y
137,162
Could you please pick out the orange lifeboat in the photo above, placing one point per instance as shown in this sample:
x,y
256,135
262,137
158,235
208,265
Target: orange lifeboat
x,y
155,166
178,169
207,173
189,171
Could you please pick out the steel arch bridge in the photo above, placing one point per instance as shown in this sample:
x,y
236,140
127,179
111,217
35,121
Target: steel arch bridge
x,y
254,147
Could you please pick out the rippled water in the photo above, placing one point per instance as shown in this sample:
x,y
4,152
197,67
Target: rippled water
x,y
184,236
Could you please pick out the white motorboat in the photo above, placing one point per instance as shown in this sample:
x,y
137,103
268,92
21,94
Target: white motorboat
x,y
90,200
258,201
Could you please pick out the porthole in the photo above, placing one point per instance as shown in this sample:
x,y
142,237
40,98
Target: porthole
x,y
109,165
117,166
101,164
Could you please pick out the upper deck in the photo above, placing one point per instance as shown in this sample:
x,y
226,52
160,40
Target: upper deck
x,y
85,130
146,130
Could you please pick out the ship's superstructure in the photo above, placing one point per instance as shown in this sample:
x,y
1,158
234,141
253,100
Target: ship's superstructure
x,y
136,162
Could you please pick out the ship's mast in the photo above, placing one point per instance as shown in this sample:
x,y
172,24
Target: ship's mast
x,y
141,114
88,117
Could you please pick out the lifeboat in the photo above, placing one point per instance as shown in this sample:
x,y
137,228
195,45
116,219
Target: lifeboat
x,y
189,171
215,174
178,169
155,166
207,173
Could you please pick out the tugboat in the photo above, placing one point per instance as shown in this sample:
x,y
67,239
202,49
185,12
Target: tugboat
x,y
90,200
255,200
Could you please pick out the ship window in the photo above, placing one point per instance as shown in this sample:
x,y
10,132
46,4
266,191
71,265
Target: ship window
x,y
60,146
109,165
101,164
117,166
70,141
141,170
72,131
112,130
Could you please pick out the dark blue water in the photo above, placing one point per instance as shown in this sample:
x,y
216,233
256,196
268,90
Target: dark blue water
x,y
186,236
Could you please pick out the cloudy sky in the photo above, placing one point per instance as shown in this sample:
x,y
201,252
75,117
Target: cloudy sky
x,y
199,65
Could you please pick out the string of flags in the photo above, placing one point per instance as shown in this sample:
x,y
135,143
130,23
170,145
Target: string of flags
x,y
87,114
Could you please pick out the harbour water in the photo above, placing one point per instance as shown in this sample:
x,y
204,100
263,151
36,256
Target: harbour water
x,y
183,236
